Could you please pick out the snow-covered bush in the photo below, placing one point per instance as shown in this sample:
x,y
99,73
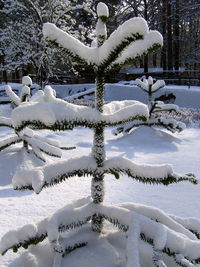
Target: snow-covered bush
x,y
149,231
189,116
29,138
155,107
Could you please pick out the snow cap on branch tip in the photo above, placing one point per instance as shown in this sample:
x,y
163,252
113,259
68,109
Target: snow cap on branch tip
x,y
102,10
150,80
158,85
7,88
47,29
25,90
34,178
49,94
26,80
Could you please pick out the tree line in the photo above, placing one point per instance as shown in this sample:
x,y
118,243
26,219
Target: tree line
x,y
22,46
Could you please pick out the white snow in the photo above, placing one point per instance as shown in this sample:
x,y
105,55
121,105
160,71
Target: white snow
x,y
102,10
132,248
143,146
150,80
99,55
160,106
26,80
13,97
61,111
142,84
25,90
182,93
49,173
139,47
9,140
101,29
157,85
116,195
148,84
5,121
141,170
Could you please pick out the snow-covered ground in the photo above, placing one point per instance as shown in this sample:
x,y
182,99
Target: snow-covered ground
x,y
144,145
124,90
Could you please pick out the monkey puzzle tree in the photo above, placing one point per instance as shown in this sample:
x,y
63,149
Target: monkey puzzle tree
x,y
154,106
165,234
40,145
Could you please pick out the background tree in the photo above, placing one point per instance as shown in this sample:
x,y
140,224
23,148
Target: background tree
x,y
178,21
27,49
155,107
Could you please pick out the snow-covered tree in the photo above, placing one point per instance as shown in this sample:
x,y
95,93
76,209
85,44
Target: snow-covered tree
x,y
155,107
29,138
148,230
28,50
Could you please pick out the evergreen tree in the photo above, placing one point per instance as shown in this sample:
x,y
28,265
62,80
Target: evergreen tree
x,y
28,137
28,50
165,234
155,107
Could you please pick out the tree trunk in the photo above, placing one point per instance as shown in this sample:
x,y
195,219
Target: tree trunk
x,y
169,36
176,35
146,59
164,32
5,76
98,149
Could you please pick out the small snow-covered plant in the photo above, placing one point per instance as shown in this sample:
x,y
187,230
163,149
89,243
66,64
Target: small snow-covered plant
x,y
29,138
150,232
155,107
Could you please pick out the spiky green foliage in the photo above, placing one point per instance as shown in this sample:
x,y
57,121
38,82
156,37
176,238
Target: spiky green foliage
x,y
96,171
70,124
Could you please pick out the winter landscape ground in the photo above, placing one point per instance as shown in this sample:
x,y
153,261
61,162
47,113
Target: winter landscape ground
x,y
143,145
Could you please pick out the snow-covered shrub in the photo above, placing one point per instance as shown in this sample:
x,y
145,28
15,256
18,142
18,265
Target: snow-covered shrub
x,y
29,138
189,116
148,230
155,107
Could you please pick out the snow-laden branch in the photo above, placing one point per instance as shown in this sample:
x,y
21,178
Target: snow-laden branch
x,y
161,237
157,85
190,223
168,123
175,223
4,121
129,31
64,219
24,236
161,106
147,173
43,146
9,141
56,172
13,97
73,47
152,41
60,115
141,223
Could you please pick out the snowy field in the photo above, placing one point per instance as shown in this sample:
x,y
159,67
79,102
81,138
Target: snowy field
x,y
144,145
